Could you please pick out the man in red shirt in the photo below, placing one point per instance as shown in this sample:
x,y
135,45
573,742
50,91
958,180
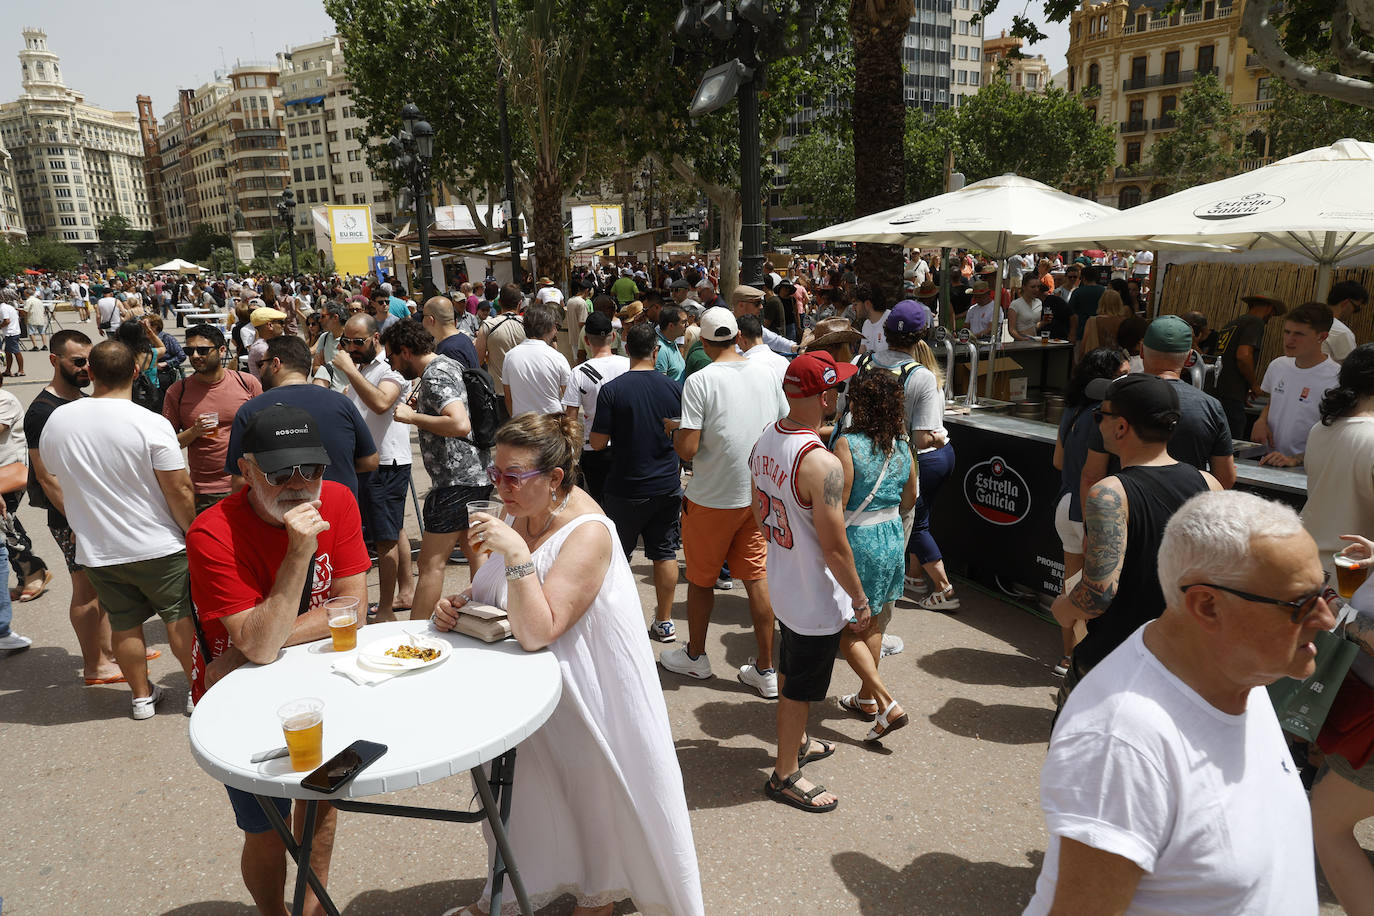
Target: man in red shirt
x,y
263,562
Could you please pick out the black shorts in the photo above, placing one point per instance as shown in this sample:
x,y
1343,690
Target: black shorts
x,y
382,502
446,508
66,542
805,663
657,519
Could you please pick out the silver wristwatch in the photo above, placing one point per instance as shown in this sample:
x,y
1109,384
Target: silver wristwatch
x,y
520,571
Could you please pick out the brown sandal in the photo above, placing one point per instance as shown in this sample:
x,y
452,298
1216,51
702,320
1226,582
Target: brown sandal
x,y
27,595
778,789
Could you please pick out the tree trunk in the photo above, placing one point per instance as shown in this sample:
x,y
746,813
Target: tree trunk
x,y
877,28
549,243
731,227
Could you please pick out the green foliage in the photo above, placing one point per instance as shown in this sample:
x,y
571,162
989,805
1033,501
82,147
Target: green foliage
x,y
9,259
145,247
222,260
820,174
199,244
43,253
117,238
1208,143
1300,121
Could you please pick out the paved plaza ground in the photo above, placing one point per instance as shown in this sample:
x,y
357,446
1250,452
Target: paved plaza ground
x,y
106,815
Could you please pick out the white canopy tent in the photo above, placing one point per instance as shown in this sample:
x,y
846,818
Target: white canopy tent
x,y
996,215
1318,204
179,266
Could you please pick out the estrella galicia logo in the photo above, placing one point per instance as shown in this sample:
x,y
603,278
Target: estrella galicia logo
x,y
996,492
1235,207
912,216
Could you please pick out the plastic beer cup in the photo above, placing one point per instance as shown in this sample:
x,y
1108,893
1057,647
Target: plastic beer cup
x,y
210,423
493,507
342,614
1350,575
302,722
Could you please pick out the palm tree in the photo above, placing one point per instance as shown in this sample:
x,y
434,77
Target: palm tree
x,y
877,28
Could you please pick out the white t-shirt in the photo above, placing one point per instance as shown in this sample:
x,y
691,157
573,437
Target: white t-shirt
x,y
9,317
392,438
12,445
1339,342
585,384
980,317
731,403
1143,261
1294,396
1027,315
107,310
103,452
551,294
536,375
577,312
1208,804
874,338
772,360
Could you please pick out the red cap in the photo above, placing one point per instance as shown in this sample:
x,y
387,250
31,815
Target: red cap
x,y
811,373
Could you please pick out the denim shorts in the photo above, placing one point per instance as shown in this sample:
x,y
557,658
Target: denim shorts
x,y
382,502
446,508
248,814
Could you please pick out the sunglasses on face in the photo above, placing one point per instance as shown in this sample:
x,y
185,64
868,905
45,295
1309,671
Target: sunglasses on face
x,y
1099,413
1300,609
307,472
510,478
77,361
354,341
200,351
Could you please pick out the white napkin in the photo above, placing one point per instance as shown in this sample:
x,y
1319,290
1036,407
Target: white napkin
x,y
364,677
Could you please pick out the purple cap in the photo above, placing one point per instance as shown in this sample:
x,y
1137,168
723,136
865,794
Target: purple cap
x,y
907,317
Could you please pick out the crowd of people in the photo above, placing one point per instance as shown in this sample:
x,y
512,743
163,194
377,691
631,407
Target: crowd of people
x,y
789,436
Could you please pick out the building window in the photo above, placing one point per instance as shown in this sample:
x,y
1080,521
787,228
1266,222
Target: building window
x,y
291,130
1133,152
1264,88
973,77
1206,57
1129,197
1094,76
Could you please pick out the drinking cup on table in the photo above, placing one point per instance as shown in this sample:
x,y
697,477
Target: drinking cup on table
x,y
209,424
1044,338
1350,575
302,721
493,507
342,614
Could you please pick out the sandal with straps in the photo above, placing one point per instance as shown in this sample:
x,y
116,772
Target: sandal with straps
x,y
805,755
777,790
883,727
852,702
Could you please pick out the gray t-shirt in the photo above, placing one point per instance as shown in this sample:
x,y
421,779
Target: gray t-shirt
x,y
449,461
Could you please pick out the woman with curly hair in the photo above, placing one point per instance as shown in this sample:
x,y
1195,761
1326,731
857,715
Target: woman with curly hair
x,y
878,487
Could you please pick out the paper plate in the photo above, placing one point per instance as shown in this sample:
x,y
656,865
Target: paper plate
x,y
373,655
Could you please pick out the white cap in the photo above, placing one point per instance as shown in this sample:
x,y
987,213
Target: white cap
x,y
718,325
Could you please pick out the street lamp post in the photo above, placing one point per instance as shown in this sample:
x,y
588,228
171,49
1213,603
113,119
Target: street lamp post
x,y
286,209
411,150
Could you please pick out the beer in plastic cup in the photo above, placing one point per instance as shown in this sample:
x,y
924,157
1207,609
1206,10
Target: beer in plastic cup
x,y
493,507
1044,338
211,420
302,722
1350,575
342,614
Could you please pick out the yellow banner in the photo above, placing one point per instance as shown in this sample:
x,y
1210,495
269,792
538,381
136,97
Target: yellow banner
x,y
350,235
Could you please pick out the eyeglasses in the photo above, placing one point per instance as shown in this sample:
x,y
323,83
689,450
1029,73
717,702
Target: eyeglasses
x,y
77,361
510,478
307,472
200,351
354,341
357,308
1299,610
1099,413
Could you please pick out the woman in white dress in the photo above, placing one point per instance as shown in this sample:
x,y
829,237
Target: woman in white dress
x,y
599,810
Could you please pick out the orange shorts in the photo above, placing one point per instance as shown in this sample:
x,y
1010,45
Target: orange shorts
x,y
711,537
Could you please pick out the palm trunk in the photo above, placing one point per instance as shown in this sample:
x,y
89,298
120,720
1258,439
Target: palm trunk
x,y
547,191
731,227
877,28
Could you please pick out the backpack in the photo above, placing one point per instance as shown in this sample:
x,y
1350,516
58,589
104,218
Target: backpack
x,y
483,408
865,364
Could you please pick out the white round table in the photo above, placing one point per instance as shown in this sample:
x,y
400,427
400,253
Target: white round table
x,y
472,708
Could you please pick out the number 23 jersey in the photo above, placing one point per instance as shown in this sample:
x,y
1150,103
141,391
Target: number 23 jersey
x,y
805,595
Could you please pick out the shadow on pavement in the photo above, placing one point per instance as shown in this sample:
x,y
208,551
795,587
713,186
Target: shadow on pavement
x,y
435,897
1002,723
213,908
938,883
715,775
985,667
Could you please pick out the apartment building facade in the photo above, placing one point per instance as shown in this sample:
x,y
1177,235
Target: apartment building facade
x,y
942,53
11,217
1139,60
1024,72
73,163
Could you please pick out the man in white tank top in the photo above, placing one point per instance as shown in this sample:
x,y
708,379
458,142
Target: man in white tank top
x,y
798,490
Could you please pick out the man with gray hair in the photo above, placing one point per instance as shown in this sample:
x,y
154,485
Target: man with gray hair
x,y
1168,787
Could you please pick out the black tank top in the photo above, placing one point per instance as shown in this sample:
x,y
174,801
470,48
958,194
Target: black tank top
x,y
1153,494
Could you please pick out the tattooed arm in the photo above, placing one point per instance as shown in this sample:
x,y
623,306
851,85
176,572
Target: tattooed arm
x,y
820,481
1104,551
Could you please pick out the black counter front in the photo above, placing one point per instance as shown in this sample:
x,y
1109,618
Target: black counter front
x,y
994,517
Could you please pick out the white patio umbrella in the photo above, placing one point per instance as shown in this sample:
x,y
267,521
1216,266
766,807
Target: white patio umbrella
x,y
180,266
996,215
1319,204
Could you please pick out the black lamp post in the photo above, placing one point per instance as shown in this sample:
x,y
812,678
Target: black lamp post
x,y
286,209
411,151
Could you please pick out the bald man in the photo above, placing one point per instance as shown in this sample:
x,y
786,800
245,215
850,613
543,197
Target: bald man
x,y
439,317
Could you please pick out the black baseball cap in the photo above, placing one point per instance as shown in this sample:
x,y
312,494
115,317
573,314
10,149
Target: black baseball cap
x,y
597,325
1145,401
280,437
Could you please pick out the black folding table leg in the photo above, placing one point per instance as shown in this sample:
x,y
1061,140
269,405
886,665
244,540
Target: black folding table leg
x,y
498,813
300,853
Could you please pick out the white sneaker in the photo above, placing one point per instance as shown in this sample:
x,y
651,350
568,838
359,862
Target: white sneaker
x,y
679,662
765,682
944,602
724,584
892,645
144,706
15,641
190,704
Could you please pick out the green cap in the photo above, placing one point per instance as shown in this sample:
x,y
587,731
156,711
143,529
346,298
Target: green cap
x,y
1169,334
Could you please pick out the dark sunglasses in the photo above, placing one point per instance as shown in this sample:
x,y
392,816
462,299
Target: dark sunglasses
x,y
200,351
77,361
1099,413
307,472
1299,609
354,341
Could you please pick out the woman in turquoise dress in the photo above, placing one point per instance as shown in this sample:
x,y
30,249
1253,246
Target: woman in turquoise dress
x,y
878,487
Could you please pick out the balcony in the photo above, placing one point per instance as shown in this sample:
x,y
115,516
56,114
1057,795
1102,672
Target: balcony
x,y
1174,78
1253,62
1164,122
1257,106
1249,165
1130,172
1134,127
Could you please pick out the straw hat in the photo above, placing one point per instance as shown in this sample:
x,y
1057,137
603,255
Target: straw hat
x,y
829,332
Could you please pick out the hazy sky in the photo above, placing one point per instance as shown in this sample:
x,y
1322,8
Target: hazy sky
x,y
114,51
